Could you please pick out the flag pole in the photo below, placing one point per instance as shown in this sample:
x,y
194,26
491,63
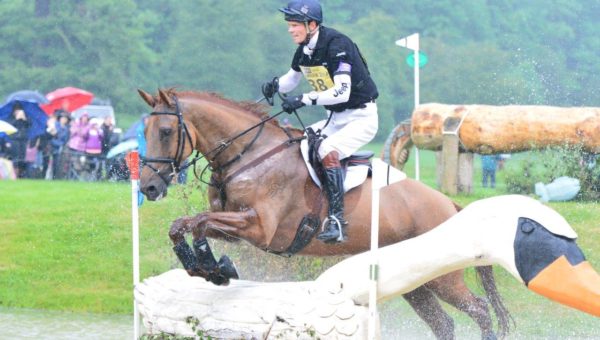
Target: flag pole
x,y
133,162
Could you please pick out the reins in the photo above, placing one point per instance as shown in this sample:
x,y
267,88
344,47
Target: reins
x,y
183,134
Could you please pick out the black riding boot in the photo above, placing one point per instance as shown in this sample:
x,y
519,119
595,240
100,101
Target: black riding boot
x,y
335,224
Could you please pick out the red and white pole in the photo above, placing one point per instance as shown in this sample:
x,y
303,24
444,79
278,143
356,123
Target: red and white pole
x,y
133,163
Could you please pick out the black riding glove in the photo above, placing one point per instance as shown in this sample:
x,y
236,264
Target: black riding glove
x,y
270,88
292,103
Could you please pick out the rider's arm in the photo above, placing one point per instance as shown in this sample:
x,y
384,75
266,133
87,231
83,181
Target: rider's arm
x,y
339,93
289,81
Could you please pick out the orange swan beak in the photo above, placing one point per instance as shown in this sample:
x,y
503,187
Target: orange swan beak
x,y
577,286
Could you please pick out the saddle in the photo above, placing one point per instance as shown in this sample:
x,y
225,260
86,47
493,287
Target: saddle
x,y
355,168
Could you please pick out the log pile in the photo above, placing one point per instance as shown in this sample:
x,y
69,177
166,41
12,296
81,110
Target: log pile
x,y
175,303
487,129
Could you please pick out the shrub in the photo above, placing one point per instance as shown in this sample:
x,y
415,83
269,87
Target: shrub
x,y
553,162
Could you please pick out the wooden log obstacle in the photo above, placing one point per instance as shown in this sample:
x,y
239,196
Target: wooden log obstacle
x,y
487,129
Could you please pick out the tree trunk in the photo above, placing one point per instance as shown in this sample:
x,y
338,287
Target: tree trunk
x,y
489,129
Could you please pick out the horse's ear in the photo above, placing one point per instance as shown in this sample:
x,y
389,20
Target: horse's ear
x,y
147,97
166,98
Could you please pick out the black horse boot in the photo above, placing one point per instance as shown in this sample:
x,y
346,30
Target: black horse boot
x,y
187,257
334,224
220,272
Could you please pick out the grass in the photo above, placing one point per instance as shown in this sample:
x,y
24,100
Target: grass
x,y
67,246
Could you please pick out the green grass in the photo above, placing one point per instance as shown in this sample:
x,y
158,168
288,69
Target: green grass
x,y
67,246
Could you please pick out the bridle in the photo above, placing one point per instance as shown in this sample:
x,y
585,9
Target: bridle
x,y
183,135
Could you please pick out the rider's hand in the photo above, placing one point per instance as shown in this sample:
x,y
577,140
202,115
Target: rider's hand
x,y
292,103
270,88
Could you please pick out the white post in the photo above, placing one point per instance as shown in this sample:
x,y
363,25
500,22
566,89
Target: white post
x,y
412,42
374,267
133,162
383,175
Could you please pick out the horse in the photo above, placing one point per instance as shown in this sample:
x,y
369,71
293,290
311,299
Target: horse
x,y
260,191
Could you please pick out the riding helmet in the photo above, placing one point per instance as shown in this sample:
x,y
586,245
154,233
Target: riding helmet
x,y
303,11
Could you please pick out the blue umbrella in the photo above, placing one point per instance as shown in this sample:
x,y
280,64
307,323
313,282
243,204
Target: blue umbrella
x,y
33,112
122,147
27,95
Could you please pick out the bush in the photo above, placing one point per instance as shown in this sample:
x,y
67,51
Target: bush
x,y
553,162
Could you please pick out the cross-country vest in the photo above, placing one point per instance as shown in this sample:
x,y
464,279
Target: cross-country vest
x,y
332,48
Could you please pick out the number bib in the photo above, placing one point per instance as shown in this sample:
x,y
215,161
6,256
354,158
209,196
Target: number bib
x,y
318,77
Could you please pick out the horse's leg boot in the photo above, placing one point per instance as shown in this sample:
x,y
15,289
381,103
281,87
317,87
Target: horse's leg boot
x,y
335,224
204,255
186,256
225,270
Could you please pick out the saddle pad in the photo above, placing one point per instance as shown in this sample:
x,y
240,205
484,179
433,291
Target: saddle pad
x,y
355,175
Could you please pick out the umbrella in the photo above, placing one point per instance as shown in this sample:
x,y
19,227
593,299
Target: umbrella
x,y
68,99
122,147
27,95
34,114
7,128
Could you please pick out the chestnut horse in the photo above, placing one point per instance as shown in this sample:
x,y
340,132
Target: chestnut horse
x,y
261,191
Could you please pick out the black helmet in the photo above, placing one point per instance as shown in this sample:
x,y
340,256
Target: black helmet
x,y
303,11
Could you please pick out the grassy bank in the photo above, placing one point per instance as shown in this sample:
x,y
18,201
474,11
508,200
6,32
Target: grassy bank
x,y
67,246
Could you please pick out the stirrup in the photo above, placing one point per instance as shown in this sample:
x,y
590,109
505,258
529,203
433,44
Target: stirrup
x,y
338,224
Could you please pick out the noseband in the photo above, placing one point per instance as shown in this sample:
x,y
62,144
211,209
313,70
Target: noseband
x,y
182,135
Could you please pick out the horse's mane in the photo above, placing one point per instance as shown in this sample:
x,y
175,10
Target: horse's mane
x,y
261,111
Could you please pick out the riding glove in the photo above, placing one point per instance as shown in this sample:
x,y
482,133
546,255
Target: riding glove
x,y
270,88
292,103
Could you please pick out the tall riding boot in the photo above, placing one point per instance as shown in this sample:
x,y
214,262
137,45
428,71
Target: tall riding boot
x,y
335,224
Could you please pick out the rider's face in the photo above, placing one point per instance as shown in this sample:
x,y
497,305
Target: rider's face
x,y
298,30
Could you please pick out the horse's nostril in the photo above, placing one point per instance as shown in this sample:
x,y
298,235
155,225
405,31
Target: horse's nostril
x,y
151,189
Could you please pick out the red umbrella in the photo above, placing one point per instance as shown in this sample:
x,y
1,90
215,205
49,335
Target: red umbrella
x,y
68,99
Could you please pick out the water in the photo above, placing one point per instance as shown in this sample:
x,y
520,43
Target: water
x,y
40,324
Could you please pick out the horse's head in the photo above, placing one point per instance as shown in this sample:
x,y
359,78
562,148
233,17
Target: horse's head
x,y
168,143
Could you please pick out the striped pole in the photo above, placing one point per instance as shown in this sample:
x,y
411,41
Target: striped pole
x,y
133,162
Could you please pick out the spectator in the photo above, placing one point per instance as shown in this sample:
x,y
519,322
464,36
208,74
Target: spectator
x,y
489,164
31,158
58,142
19,140
93,149
45,146
76,146
107,131
79,133
93,143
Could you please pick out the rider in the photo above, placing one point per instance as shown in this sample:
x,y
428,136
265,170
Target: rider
x,y
341,82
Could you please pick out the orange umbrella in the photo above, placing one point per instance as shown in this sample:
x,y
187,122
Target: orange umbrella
x,y
67,98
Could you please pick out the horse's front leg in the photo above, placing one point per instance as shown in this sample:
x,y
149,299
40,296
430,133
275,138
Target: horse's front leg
x,y
200,261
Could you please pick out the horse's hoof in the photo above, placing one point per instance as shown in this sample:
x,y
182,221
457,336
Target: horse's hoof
x,y
227,268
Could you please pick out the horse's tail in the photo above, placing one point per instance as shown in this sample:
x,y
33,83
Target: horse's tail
x,y
485,274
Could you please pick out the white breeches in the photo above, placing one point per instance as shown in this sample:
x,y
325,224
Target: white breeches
x,y
348,130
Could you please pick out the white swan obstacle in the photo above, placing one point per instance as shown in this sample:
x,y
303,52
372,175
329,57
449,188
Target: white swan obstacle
x,y
530,240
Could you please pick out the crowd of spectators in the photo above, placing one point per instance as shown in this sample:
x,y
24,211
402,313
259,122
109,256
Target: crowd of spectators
x,y
66,150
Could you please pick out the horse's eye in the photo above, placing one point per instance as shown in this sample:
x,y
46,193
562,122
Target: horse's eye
x,y
164,133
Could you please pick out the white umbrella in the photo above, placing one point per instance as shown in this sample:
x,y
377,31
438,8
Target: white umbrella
x,y
122,147
7,128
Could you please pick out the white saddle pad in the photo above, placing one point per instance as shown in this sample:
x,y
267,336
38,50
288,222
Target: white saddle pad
x,y
355,175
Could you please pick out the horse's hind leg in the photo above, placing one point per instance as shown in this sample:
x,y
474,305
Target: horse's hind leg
x,y
429,309
451,288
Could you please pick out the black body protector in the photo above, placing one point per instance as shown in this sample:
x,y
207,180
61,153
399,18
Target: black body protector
x,y
332,48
